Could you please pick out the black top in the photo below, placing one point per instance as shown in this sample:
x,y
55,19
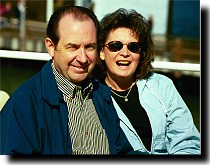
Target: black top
x,y
136,114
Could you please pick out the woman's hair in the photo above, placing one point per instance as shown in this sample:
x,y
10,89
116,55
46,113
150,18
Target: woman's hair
x,y
140,28
78,12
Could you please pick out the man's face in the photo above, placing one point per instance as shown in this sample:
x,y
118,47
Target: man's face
x,y
75,54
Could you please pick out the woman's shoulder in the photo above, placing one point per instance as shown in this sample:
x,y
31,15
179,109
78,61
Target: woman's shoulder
x,y
159,77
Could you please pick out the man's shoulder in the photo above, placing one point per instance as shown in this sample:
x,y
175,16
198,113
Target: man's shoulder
x,y
101,90
31,85
100,86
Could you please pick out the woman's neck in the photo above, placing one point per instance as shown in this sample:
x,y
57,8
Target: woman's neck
x,y
119,84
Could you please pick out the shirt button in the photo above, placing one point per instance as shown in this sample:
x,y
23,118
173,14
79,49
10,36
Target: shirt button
x,y
86,133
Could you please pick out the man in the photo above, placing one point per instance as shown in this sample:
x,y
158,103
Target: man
x,y
61,110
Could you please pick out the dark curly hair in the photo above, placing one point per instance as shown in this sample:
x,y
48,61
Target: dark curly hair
x,y
139,25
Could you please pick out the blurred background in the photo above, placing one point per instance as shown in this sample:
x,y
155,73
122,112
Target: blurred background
x,y
175,31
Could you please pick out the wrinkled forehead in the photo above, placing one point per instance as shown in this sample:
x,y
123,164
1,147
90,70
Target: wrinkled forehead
x,y
71,18
70,22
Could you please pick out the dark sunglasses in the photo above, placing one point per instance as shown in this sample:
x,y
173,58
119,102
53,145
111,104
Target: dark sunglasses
x,y
115,46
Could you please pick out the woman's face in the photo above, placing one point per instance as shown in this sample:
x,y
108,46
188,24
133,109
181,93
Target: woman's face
x,y
121,64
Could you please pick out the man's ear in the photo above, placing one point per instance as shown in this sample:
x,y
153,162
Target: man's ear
x,y
50,46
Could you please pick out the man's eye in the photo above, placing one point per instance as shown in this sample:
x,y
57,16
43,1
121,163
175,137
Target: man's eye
x,y
72,47
90,47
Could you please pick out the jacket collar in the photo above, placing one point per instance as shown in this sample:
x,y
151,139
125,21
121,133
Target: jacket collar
x,y
141,84
145,82
49,87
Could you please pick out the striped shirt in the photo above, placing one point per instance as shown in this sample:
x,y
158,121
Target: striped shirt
x,y
86,131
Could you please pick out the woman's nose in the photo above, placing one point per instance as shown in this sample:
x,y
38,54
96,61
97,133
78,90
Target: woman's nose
x,y
124,51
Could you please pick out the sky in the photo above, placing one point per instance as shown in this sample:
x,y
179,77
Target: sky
x,y
158,9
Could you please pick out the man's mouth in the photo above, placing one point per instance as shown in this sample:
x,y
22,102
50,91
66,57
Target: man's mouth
x,y
81,68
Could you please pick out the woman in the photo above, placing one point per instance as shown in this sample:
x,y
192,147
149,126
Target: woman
x,y
153,115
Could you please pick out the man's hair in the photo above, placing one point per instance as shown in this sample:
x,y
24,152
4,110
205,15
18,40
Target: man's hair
x,y
78,12
140,27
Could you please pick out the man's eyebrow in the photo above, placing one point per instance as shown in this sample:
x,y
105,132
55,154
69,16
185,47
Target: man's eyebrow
x,y
71,44
77,45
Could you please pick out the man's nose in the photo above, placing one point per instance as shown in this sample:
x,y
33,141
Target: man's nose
x,y
82,56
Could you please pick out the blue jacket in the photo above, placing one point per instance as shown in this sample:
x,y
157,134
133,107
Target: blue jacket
x,y
35,120
173,130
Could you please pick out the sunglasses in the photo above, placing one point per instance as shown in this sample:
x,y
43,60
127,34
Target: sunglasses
x,y
115,46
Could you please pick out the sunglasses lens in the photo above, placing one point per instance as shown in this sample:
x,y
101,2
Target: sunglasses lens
x,y
115,46
134,47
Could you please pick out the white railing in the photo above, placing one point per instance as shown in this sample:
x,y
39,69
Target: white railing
x,y
24,55
176,66
45,57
